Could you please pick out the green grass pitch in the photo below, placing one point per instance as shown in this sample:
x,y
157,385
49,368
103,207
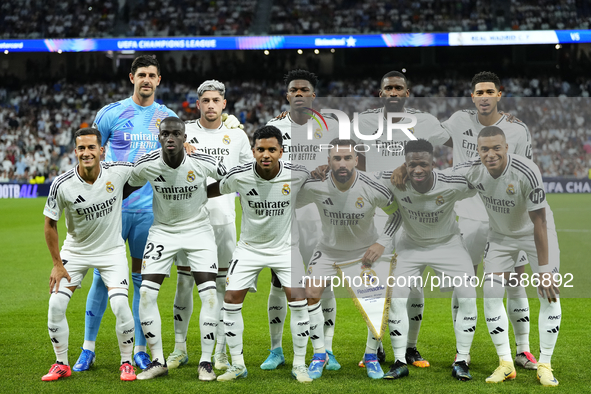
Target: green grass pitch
x,y
26,353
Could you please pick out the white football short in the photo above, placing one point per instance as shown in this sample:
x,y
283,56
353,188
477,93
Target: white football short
x,y
449,260
246,264
195,249
475,234
114,268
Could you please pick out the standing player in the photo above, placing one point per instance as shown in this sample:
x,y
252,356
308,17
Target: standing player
x,y
231,147
91,196
387,154
180,218
347,193
463,128
520,219
430,237
268,187
129,128
301,92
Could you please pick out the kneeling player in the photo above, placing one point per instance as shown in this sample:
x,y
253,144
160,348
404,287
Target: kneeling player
x,y
268,187
91,196
430,237
181,225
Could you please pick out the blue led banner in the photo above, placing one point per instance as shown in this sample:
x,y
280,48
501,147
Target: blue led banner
x,y
299,42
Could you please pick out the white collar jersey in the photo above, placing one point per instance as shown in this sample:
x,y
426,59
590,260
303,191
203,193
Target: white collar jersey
x,y
463,128
93,212
429,218
384,154
180,193
267,206
508,198
347,217
232,148
298,149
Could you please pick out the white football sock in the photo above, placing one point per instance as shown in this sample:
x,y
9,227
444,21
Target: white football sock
x,y
234,329
220,289
465,326
150,317
124,325
316,327
182,308
329,312
209,317
57,324
414,307
300,330
277,312
518,312
496,316
548,325
398,325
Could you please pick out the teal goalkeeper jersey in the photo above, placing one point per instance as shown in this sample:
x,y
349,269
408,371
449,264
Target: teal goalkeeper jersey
x,y
128,131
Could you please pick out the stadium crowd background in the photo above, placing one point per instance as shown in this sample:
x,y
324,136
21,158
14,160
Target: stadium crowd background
x,y
153,18
38,114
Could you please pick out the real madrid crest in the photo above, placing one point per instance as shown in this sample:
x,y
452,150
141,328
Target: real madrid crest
x,y
158,122
318,134
439,201
369,277
226,140
110,187
191,176
286,190
510,189
359,203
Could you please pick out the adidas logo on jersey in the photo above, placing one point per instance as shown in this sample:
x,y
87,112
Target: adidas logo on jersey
x,y
252,193
194,141
79,200
286,136
160,179
328,201
468,132
127,125
407,199
480,187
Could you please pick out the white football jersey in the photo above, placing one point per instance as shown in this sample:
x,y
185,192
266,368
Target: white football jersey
x,y
463,128
429,218
347,217
232,148
510,197
180,193
93,212
298,149
267,205
384,154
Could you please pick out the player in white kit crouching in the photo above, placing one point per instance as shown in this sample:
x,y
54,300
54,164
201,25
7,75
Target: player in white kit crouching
x,y
179,182
513,194
268,188
90,195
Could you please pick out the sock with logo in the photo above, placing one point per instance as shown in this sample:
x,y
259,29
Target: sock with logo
x,y
454,308
183,308
234,329
96,304
140,340
57,324
465,326
496,316
371,344
150,316
329,311
300,330
316,327
398,326
518,312
548,325
124,324
220,288
208,318
277,312
414,308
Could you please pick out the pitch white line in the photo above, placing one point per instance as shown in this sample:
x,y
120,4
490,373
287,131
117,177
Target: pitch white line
x,y
569,230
